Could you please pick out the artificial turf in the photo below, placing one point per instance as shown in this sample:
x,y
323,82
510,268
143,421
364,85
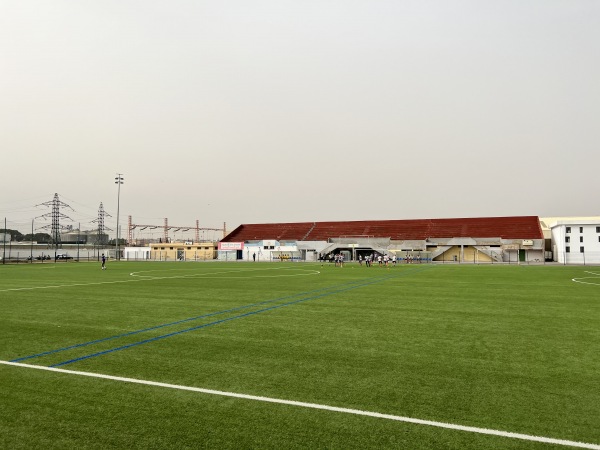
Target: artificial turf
x,y
513,348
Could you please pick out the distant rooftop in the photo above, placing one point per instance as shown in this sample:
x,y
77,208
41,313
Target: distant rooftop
x,y
546,222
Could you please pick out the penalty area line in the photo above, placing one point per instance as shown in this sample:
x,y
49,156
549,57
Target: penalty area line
x,y
595,277
358,412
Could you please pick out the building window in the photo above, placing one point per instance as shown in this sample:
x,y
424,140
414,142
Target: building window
x,y
580,238
581,229
567,249
568,230
567,239
581,250
597,229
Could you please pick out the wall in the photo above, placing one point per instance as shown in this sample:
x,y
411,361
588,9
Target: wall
x,y
267,250
471,254
136,253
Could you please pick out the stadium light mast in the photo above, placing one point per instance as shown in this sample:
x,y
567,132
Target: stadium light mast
x,y
118,181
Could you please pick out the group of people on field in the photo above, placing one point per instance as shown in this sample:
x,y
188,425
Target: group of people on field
x,y
338,259
382,260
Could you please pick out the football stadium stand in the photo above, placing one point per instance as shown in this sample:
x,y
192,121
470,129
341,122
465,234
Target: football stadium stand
x,y
520,227
479,239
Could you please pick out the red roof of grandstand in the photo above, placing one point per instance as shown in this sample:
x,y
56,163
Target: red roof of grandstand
x,y
520,227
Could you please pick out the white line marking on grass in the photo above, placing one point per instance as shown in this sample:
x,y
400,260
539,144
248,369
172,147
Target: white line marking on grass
x,y
138,278
55,286
220,271
241,273
595,277
358,412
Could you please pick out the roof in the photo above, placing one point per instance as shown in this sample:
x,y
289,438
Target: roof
x,y
519,227
549,222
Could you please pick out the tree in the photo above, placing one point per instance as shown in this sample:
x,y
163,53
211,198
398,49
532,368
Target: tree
x,y
121,242
15,235
40,238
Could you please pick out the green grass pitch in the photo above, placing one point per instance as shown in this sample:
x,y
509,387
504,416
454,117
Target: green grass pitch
x,y
510,348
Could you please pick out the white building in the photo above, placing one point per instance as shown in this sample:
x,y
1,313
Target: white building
x,y
136,253
271,250
576,240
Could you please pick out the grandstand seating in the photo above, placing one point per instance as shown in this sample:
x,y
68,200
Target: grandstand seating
x,y
518,227
276,231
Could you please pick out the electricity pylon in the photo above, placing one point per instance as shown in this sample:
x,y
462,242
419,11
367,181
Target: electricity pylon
x,y
100,239
56,215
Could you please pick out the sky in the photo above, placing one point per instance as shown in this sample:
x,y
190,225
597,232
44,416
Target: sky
x,y
298,111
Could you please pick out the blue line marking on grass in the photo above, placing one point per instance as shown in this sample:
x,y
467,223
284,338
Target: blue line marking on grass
x,y
178,322
325,292
145,341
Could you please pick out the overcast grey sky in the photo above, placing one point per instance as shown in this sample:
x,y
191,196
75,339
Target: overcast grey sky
x,y
276,111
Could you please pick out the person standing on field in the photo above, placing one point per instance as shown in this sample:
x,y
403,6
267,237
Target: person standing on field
x,y
103,262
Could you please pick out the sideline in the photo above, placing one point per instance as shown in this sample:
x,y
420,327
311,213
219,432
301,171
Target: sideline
x,y
358,412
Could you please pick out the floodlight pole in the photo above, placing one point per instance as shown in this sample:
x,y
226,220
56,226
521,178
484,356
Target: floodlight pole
x,y
31,245
118,181
4,243
78,239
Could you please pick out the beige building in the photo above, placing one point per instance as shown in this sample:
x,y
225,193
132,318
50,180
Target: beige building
x,y
183,251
